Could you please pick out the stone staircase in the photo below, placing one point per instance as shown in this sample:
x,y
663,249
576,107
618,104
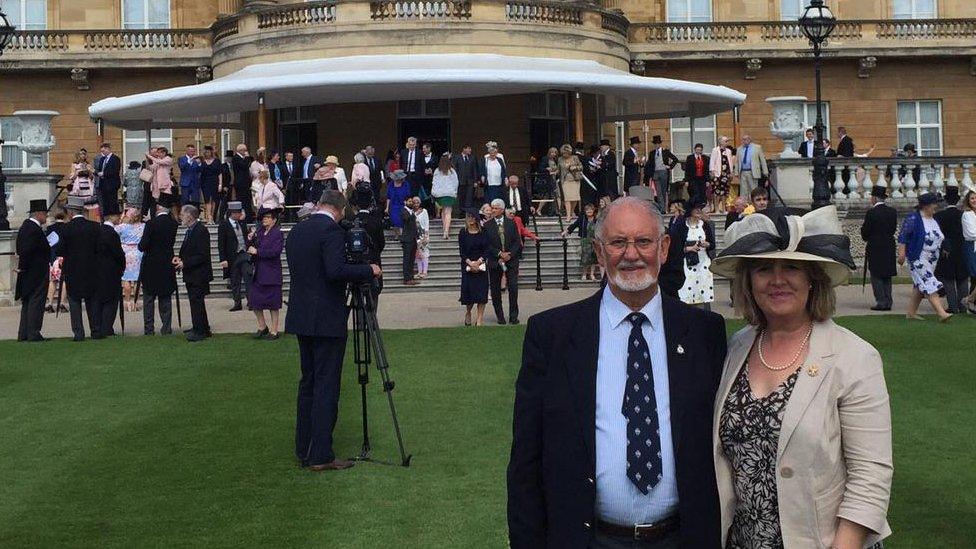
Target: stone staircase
x,y
444,272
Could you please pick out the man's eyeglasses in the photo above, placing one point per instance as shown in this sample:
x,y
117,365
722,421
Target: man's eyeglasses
x,y
619,245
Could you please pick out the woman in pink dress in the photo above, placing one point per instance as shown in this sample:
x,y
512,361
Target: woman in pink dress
x,y
160,163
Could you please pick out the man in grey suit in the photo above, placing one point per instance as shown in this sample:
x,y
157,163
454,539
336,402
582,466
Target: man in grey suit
x,y
752,165
467,171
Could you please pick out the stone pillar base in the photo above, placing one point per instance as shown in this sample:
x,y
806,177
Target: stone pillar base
x,y
25,187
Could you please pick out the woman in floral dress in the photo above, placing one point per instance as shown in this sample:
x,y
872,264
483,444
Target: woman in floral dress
x,y
722,169
918,243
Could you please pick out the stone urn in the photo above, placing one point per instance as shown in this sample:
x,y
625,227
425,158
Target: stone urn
x,y
787,122
36,138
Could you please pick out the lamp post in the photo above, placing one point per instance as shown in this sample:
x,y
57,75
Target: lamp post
x,y
818,23
6,32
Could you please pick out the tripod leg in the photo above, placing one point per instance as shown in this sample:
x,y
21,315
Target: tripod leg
x,y
373,334
362,357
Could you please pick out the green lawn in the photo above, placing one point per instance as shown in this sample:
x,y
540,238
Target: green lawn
x,y
118,443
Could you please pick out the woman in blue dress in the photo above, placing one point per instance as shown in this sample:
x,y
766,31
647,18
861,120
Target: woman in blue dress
x,y
397,193
130,233
473,244
919,243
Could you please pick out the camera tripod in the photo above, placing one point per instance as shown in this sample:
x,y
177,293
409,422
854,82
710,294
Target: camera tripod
x,y
367,342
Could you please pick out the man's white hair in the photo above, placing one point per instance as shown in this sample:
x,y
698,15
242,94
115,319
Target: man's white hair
x,y
498,203
628,202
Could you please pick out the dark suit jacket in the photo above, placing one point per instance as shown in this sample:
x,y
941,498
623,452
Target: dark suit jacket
x,y
287,175
316,255
375,173
409,231
157,273
111,263
524,199
513,242
79,247
952,263
802,150
242,174
467,170
669,159
845,147
551,489
195,254
33,256
112,178
227,240
631,169
689,169
878,232
418,157
483,170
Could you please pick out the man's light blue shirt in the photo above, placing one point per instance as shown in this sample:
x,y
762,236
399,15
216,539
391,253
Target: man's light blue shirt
x,y
618,501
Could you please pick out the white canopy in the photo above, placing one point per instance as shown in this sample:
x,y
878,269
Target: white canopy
x,y
368,78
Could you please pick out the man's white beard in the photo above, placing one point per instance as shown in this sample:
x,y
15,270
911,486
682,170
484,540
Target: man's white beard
x,y
631,284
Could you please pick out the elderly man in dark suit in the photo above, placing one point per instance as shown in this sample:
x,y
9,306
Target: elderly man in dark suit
x,y
33,257
517,199
157,273
318,316
111,265
377,176
613,408
194,261
878,232
504,253
951,270
79,247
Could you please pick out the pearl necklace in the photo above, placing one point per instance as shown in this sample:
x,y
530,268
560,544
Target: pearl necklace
x,y
796,356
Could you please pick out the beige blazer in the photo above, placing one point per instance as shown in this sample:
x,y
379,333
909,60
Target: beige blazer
x,y
834,456
758,159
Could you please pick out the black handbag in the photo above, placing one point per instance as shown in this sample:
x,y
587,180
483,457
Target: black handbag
x,y
691,258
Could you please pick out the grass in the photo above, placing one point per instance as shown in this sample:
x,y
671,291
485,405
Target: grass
x,y
123,443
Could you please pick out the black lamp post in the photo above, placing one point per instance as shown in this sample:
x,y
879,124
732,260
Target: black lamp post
x,y
818,23
6,32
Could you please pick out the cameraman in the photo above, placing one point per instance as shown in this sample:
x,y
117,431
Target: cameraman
x,y
374,222
318,315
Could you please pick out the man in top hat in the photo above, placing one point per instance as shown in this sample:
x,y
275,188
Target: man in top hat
x,y
33,255
232,251
111,265
79,247
660,162
157,273
608,170
878,232
632,164
194,262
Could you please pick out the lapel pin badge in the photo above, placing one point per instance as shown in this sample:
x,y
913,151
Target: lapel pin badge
x,y
813,370
680,350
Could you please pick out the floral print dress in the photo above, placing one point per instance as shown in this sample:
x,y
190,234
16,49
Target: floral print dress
x,y
749,432
923,268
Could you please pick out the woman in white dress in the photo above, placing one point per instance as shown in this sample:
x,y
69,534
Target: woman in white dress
x,y
699,240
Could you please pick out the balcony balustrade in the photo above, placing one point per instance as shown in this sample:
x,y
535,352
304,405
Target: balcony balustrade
x,y
120,48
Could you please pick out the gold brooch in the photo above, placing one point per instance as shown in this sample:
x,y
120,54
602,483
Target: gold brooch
x,y
813,370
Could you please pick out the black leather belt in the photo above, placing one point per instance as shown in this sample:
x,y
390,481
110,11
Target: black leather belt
x,y
641,532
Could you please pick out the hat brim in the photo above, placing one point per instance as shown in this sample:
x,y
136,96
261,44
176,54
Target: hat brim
x,y
838,273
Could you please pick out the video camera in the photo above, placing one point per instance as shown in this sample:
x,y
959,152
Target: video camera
x,y
358,242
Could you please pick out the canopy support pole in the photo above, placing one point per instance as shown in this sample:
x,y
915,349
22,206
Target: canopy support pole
x,y
148,135
691,133
262,122
577,118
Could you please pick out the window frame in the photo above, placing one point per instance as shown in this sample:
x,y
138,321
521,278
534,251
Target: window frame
x,y
699,129
918,126
688,16
156,142
914,10
810,118
145,23
423,113
24,155
21,13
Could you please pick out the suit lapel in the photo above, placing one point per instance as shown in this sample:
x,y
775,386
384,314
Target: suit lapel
x,y
679,381
812,375
580,363
737,354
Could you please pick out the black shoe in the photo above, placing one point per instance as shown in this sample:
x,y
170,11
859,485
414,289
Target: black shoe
x,y
236,307
99,336
78,338
501,320
37,338
166,331
878,308
271,337
260,334
49,308
513,321
193,336
149,333
62,308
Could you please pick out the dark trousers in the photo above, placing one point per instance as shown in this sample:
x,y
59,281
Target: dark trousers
x,y
240,276
149,313
696,188
465,197
409,256
243,195
606,541
109,200
416,181
318,397
107,307
196,294
32,312
493,191
77,327
881,286
957,289
495,284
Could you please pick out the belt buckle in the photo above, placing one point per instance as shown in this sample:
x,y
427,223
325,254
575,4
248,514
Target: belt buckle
x,y
637,527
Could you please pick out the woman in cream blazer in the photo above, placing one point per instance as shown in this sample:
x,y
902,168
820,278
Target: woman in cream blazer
x,y
808,465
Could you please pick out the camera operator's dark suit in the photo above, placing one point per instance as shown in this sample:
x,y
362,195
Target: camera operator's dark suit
x,y
373,222
512,243
318,315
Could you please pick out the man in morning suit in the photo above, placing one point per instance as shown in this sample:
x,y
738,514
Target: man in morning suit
x,y
608,171
612,430
805,149
659,165
696,172
111,265
157,272
467,171
109,172
294,190
878,232
241,166
504,253
190,165
412,164
79,247
845,149
33,257
632,164
194,261
232,252
517,199
318,316
951,270
308,164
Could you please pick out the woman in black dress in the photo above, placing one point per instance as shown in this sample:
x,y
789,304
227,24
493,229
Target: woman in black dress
x,y
473,244
210,170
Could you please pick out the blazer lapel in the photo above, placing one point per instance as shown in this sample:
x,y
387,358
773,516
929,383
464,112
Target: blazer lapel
x,y
812,375
580,363
679,383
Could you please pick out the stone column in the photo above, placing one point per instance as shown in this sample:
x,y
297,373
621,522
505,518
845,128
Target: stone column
x,y
228,7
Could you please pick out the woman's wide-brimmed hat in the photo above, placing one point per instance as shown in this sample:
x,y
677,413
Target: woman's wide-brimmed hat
x,y
927,199
774,234
272,211
332,159
398,175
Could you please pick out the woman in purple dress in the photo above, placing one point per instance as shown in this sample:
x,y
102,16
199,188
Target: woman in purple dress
x,y
265,245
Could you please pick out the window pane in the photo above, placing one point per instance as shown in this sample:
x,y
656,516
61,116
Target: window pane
x,y
679,123
12,9
36,14
906,136
925,9
790,9
287,115
557,105
906,113
437,107
306,114
159,14
134,14
701,10
902,9
929,112
931,138
678,10
408,108
12,158
10,128
537,105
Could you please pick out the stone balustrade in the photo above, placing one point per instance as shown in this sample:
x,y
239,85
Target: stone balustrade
x,y
136,48
396,9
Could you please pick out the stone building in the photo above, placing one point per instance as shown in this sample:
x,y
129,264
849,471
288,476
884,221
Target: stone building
x,y
897,71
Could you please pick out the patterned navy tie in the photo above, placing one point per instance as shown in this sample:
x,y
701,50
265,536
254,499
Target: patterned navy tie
x,y
640,409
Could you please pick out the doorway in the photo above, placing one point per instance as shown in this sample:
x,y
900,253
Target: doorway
x,y
545,133
436,131
296,136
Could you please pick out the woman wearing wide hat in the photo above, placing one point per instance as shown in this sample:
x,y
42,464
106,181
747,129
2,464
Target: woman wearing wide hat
x,y
802,427
265,245
919,243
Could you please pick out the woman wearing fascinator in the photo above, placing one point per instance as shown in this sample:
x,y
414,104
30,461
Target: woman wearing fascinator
x,y
802,435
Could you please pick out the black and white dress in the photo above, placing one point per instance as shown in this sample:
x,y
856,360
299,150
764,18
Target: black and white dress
x,y
749,431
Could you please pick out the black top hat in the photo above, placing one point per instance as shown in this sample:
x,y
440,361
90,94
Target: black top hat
x,y
656,140
635,140
952,196
605,142
228,153
879,192
39,205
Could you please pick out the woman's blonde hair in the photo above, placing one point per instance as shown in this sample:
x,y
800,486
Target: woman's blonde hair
x,y
821,302
78,156
566,148
264,174
260,155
